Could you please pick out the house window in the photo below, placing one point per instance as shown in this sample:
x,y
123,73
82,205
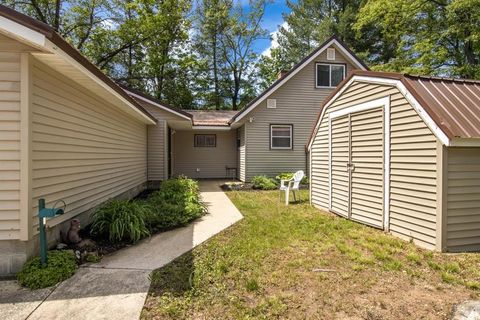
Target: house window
x,y
329,75
205,140
281,136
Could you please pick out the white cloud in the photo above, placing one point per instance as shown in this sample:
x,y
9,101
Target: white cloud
x,y
274,41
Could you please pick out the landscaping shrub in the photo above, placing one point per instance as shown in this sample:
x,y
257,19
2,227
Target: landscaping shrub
x,y
263,183
61,265
175,204
288,176
121,220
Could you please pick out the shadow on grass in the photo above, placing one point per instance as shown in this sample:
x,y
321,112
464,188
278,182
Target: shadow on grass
x,y
176,277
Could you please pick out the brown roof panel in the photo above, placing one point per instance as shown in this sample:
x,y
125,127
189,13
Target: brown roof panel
x,y
211,118
455,104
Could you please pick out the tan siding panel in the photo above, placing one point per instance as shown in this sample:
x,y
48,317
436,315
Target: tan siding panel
x,y
85,150
463,199
9,145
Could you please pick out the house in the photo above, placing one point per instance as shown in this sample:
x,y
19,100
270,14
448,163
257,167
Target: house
x,y
402,153
67,132
265,138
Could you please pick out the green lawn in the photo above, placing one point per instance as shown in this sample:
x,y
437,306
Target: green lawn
x,y
298,262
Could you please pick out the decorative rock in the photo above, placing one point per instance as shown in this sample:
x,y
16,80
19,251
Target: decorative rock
x,y
468,310
61,246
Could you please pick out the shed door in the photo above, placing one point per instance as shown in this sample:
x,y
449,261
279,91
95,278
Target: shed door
x,y
357,166
366,169
340,135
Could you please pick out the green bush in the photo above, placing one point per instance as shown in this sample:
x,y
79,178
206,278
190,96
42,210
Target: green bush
x,y
121,220
288,176
264,183
175,204
61,265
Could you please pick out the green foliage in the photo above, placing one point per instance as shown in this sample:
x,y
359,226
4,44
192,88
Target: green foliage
x,y
175,204
264,183
61,265
288,176
121,220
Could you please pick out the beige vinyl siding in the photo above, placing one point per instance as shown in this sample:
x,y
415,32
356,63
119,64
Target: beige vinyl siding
x,y
298,103
463,199
85,150
242,165
413,163
9,145
211,161
158,141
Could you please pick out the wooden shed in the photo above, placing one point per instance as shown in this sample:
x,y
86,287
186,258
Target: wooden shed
x,y
402,153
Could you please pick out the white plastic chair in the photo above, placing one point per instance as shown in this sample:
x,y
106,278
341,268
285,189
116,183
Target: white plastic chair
x,y
291,184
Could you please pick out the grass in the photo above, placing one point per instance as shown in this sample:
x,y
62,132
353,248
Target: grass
x,y
298,262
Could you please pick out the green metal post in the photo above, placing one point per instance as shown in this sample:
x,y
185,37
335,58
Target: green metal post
x,y
43,236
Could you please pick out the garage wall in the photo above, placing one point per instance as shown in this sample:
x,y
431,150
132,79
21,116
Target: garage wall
x,y
85,150
413,164
9,145
210,161
463,199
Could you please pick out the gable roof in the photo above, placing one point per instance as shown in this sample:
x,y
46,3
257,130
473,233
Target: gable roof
x,y
211,117
136,94
450,107
21,26
299,66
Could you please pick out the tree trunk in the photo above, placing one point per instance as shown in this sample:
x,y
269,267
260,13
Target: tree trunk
x,y
215,72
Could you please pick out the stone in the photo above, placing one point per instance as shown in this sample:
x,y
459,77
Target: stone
x,y
467,310
61,246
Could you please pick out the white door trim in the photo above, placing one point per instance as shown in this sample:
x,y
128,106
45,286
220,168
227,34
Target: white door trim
x,y
385,104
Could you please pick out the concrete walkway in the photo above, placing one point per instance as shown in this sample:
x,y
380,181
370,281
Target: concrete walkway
x,y
116,287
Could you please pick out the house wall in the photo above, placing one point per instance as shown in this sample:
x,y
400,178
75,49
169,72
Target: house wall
x,y
298,103
157,154
9,145
463,199
84,149
412,158
211,162
241,154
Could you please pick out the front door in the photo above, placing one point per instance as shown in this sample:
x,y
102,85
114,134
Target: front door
x,y
357,166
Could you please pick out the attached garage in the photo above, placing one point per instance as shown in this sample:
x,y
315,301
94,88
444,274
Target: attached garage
x,y
402,153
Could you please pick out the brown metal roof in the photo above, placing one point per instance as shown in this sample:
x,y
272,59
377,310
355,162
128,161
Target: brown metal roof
x,y
211,117
453,104
54,37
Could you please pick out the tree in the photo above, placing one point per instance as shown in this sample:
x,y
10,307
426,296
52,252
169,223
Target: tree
x,y
238,51
438,37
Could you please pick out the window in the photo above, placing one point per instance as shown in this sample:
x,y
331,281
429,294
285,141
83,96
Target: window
x,y
205,140
281,136
329,75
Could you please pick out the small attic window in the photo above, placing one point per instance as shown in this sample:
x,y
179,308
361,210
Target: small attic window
x,y
329,75
331,54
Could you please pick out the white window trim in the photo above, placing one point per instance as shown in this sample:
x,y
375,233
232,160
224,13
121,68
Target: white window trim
x,y
291,136
329,74
382,102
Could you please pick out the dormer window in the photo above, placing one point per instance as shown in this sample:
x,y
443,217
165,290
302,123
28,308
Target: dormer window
x,y
329,75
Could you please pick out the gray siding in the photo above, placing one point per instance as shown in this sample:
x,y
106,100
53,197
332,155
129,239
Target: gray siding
x,y
413,164
9,145
84,150
463,199
210,162
242,165
298,103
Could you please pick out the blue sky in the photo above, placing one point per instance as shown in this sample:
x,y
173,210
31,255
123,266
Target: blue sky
x,y
271,21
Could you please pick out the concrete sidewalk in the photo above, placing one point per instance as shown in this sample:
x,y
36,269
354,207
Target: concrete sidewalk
x,y
116,287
